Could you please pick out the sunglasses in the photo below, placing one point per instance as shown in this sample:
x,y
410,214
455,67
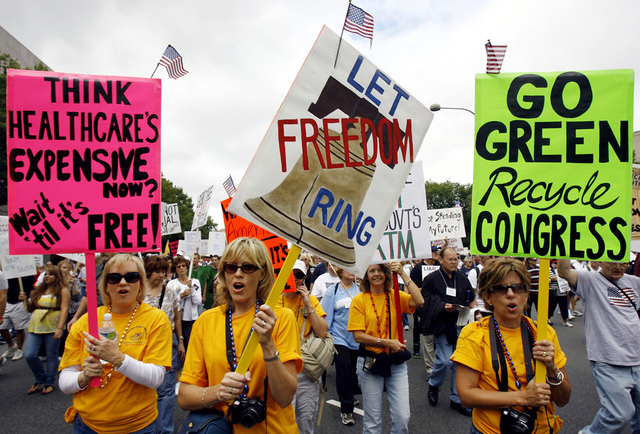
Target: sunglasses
x,y
246,268
115,278
298,275
517,288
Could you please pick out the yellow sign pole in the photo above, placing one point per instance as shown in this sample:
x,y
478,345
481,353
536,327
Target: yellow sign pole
x,y
274,295
543,313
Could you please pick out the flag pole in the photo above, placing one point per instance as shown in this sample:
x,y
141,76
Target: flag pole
x,y
341,33
154,71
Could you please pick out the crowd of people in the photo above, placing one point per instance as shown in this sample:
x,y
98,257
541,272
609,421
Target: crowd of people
x,y
182,325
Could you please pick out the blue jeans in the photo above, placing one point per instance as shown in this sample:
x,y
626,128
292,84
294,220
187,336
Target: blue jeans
x,y
79,427
619,392
167,394
444,350
397,386
35,341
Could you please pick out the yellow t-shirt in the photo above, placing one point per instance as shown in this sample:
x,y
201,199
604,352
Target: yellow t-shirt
x,y
474,351
122,405
296,306
206,361
362,316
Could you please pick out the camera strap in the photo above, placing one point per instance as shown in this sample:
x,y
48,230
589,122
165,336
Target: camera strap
x,y
499,361
229,345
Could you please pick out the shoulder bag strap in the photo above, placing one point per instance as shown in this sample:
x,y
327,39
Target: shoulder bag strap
x,y
497,358
164,288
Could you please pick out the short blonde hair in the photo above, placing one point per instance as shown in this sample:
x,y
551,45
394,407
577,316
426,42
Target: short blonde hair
x,y
257,253
495,271
117,260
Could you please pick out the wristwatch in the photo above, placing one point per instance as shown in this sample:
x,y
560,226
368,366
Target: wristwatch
x,y
181,338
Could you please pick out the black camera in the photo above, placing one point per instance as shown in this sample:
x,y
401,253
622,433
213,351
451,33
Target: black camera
x,y
514,422
248,411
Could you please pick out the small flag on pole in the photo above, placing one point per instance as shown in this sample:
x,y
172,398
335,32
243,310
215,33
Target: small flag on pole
x,y
173,62
495,56
229,187
359,22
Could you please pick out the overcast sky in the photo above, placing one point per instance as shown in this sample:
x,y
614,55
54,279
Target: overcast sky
x,y
242,57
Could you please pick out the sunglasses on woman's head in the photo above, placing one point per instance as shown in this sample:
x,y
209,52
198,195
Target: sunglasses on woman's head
x,y
517,288
246,268
130,277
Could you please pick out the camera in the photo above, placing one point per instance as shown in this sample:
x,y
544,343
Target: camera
x,y
248,411
514,422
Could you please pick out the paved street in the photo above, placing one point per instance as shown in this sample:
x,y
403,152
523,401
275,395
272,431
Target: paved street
x,y
21,413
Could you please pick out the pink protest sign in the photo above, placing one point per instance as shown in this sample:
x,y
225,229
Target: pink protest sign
x,y
83,163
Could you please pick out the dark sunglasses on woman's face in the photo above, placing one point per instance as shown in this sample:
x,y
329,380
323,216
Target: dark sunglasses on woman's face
x,y
298,275
130,277
517,288
246,268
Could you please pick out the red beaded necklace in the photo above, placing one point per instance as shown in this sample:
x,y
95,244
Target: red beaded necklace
x,y
384,350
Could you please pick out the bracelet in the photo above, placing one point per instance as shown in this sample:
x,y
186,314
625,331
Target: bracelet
x,y
557,381
275,357
378,342
181,337
313,311
407,284
203,392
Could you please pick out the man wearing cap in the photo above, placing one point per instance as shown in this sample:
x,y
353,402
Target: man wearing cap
x,y
308,312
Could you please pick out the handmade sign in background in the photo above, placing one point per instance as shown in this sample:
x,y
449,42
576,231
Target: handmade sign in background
x,y
13,265
446,223
552,165
83,163
331,167
170,219
201,210
216,243
236,227
406,236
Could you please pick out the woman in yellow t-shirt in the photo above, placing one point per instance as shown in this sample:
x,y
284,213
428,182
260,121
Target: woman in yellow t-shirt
x,y
49,305
209,381
509,395
307,310
134,361
382,359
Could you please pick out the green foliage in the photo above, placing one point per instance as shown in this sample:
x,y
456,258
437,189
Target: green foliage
x,y
444,195
174,194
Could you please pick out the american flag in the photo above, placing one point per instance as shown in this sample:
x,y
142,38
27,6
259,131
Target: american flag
x,y
616,298
359,22
173,62
229,187
495,56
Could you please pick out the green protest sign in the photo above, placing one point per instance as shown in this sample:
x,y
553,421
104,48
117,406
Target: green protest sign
x,y
552,165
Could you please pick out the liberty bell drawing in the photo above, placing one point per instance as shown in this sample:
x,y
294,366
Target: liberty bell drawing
x,y
319,208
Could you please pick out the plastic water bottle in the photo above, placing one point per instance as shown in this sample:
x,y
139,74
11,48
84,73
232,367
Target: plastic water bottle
x,y
107,329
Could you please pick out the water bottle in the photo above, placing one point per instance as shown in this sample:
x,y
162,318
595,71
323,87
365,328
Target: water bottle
x,y
107,329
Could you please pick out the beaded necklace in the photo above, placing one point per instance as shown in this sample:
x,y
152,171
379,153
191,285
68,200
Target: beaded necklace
x,y
124,334
384,350
506,352
233,344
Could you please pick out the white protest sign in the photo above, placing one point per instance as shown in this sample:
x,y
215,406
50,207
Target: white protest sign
x,y
182,246
454,243
170,219
203,249
13,265
428,269
191,244
446,223
333,162
77,257
406,236
216,243
201,211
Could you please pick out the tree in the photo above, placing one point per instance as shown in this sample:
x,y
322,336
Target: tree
x,y
7,62
445,194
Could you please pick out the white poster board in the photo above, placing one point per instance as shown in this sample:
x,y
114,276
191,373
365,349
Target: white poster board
x,y
170,219
446,223
216,243
201,211
406,236
13,265
333,162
